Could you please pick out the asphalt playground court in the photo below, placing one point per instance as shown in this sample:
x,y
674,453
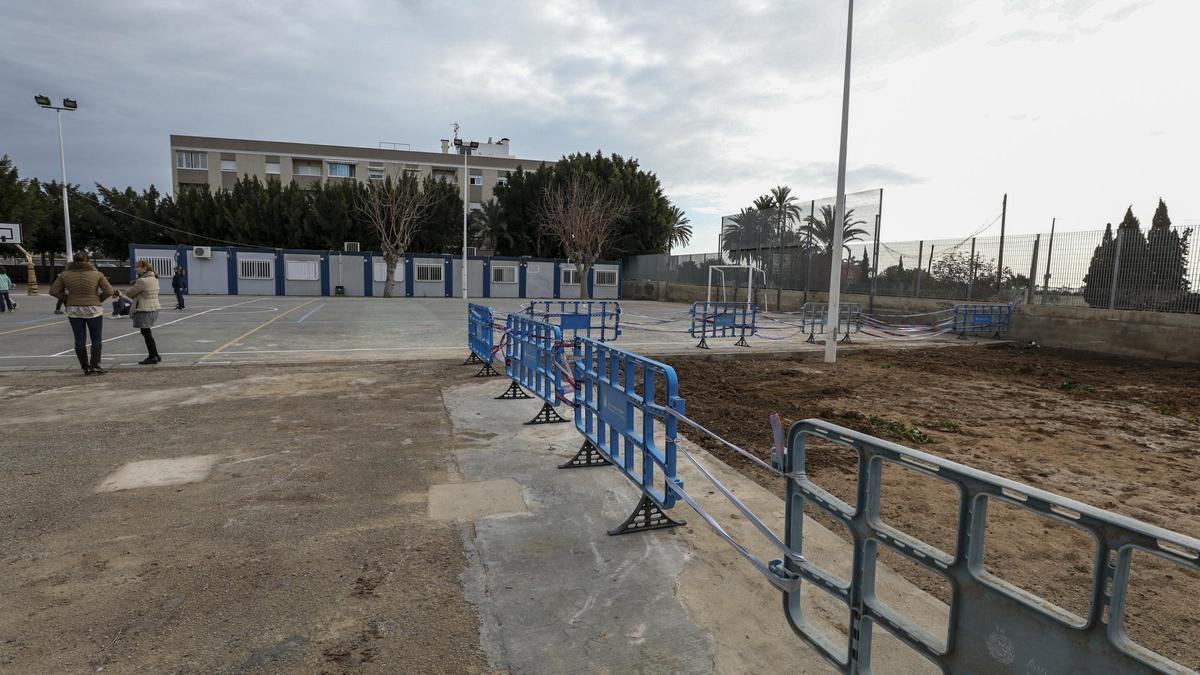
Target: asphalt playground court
x,y
280,329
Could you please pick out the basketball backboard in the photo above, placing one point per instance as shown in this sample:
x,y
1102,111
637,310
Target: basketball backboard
x,y
10,233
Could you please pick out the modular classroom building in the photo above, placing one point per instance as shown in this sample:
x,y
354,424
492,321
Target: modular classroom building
x,y
219,270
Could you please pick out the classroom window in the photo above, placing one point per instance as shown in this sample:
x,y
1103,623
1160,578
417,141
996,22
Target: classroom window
x,y
165,267
504,274
606,277
341,170
303,270
429,273
260,270
380,272
186,159
570,276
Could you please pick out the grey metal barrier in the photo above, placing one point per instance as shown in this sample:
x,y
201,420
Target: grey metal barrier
x,y
994,627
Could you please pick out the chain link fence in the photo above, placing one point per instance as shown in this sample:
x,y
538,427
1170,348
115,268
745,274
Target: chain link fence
x,y
1155,269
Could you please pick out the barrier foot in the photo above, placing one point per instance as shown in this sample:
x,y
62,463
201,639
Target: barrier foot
x,y
486,371
996,336
647,515
588,455
514,391
547,415
473,358
962,336
703,344
741,342
812,338
846,339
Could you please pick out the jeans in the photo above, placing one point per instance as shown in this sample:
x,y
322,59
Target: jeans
x,y
82,328
178,299
6,302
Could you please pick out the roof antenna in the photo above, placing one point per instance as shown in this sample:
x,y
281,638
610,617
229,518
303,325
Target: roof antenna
x,y
454,125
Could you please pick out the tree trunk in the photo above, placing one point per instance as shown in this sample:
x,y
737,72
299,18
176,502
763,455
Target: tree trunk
x,y
390,280
583,269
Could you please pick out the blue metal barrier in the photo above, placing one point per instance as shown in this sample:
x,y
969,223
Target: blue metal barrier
x,y
723,319
993,627
814,317
622,402
600,319
977,319
535,359
481,338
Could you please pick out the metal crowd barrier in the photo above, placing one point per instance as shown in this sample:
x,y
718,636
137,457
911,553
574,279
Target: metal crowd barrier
x,y
535,359
481,338
994,627
622,404
581,317
723,319
992,319
815,317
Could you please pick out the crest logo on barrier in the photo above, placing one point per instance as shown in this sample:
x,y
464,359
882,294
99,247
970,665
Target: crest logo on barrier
x,y
1000,646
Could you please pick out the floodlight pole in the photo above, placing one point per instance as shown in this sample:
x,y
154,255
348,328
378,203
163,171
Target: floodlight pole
x,y
465,148
835,267
68,104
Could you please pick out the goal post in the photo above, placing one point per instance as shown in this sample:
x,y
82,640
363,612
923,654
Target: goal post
x,y
751,271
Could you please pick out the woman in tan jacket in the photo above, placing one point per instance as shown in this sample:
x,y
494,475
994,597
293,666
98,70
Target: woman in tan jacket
x,y
84,288
144,294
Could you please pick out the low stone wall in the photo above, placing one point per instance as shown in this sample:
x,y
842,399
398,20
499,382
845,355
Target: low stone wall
x,y
1153,335
775,300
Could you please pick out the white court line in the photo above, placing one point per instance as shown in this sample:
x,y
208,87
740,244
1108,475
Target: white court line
x,y
310,313
164,325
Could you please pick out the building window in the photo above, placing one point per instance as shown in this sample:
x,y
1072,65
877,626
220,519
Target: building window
x,y
186,159
256,270
165,267
341,170
502,180
429,272
570,276
476,180
504,274
273,168
303,270
302,167
380,271
228,165
446,176
375,174
606,277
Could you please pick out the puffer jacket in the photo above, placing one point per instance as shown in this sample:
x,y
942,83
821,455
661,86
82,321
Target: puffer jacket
x,y
81,285
144,293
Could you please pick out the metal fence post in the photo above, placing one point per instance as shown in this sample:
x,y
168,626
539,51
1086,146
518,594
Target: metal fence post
x,y
1000,261
875,260
1049,252
971,279
1112,296
920,268
1032,271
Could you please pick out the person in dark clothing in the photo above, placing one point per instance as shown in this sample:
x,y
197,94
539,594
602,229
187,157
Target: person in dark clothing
x,y
83,288
178,286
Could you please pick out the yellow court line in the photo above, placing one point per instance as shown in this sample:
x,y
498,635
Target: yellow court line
x,y
254,330
40,325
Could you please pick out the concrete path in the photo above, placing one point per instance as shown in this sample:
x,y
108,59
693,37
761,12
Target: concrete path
x,y
556,594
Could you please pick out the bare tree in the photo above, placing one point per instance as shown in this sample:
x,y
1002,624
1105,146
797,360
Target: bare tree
x,y
581,215
395,209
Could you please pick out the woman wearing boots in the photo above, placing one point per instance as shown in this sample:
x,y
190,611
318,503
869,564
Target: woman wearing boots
x,y
144,294
84,288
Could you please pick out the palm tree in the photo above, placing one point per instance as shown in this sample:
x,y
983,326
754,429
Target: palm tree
x,y
823,231
681,229
787,209
490,224
738,228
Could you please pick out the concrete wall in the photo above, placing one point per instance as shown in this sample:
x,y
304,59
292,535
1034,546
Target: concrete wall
x,y
207,276
1152,335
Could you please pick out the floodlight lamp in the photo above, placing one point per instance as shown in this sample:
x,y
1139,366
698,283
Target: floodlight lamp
x,y
458,142
70,103
474,144
43,101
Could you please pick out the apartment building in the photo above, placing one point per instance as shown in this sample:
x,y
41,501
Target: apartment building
x,y
218,162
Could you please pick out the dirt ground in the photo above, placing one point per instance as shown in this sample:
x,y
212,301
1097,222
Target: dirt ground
x,y
1119,434
290,534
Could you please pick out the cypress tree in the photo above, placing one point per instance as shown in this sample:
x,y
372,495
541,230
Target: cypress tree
x,y
1167,252
1098,280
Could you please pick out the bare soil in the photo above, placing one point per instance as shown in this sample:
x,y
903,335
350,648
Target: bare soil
x,y
1120,434
290,536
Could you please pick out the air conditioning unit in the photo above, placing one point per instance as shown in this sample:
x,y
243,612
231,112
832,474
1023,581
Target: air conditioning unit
x,y
350,247
202,252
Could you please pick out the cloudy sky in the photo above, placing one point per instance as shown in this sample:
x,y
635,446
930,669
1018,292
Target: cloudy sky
x,y
1076,108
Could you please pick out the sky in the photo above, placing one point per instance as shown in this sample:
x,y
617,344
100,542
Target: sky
x,y
1075,108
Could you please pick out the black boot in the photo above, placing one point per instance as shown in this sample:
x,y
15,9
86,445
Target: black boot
x,y
96,351
81,354
151,349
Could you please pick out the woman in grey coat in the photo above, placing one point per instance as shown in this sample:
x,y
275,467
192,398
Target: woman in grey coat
x,y
144,294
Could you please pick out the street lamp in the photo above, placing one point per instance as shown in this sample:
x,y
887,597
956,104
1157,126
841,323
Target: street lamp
x,y
465,149
67,104
839,218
